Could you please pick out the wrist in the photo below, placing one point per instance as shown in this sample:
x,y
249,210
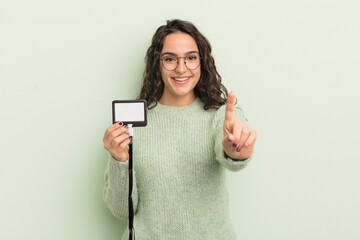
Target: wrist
x,y
118,160
235,159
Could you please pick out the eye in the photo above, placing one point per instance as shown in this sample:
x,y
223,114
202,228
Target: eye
x,y
192,57
169,59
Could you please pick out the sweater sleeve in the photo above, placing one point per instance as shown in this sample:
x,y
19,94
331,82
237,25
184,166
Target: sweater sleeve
x,y
220,155
116,189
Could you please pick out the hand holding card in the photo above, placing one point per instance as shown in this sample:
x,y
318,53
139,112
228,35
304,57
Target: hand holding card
x,y
117,138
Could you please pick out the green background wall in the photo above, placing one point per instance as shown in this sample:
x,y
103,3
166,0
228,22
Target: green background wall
x,y
294,66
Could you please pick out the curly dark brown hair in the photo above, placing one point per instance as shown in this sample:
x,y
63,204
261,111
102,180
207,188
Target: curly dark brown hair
x,y
209,87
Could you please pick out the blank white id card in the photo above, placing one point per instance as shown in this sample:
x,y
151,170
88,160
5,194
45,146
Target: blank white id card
x,y
130,112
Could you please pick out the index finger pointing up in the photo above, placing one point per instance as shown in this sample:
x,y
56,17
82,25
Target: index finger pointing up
x,y
230,107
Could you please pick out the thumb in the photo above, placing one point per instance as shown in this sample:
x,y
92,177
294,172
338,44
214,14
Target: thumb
x,y
230,137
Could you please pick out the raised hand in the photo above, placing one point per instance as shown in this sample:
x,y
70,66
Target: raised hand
x,y
239,139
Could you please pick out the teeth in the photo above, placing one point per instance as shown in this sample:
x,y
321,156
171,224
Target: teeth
x,y
181,79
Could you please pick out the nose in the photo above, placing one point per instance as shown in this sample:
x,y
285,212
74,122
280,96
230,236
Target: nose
x,y
181,67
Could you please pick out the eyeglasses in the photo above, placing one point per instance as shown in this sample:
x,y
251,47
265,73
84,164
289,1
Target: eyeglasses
x,y
170,62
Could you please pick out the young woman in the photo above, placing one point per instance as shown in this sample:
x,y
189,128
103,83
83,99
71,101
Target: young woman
x,y
195,131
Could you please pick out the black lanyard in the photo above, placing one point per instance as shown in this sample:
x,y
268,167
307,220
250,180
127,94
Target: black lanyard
x,y
131,207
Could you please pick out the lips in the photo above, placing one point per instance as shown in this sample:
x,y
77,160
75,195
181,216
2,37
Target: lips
x,y
180,80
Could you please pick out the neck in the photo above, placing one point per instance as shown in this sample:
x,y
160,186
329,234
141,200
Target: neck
x,y
178,101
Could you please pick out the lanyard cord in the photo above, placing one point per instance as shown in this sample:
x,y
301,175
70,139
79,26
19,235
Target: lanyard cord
x,y
130,203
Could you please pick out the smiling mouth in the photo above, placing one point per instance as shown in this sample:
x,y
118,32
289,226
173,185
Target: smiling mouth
x,y
181,80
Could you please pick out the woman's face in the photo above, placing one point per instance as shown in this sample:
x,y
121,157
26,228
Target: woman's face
x,y
179,83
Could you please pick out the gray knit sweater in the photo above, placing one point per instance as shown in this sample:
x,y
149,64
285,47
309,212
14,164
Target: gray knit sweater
x,y
179,187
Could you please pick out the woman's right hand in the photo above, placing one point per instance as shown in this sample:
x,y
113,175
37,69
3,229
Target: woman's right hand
x,y
116,140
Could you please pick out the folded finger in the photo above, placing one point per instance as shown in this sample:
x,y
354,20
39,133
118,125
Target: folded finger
x,y
244,135
112,128
251,139
124,143
237,131
116,133
117,141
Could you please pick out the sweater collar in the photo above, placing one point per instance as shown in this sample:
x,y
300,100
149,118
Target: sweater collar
x,y
193,107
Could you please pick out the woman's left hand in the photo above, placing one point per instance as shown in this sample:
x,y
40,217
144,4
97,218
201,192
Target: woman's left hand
x,y
239,139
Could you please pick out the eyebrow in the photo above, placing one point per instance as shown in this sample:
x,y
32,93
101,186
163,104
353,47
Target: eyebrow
x,y
170,53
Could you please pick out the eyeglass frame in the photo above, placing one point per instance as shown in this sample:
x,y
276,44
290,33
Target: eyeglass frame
x,y
177,60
